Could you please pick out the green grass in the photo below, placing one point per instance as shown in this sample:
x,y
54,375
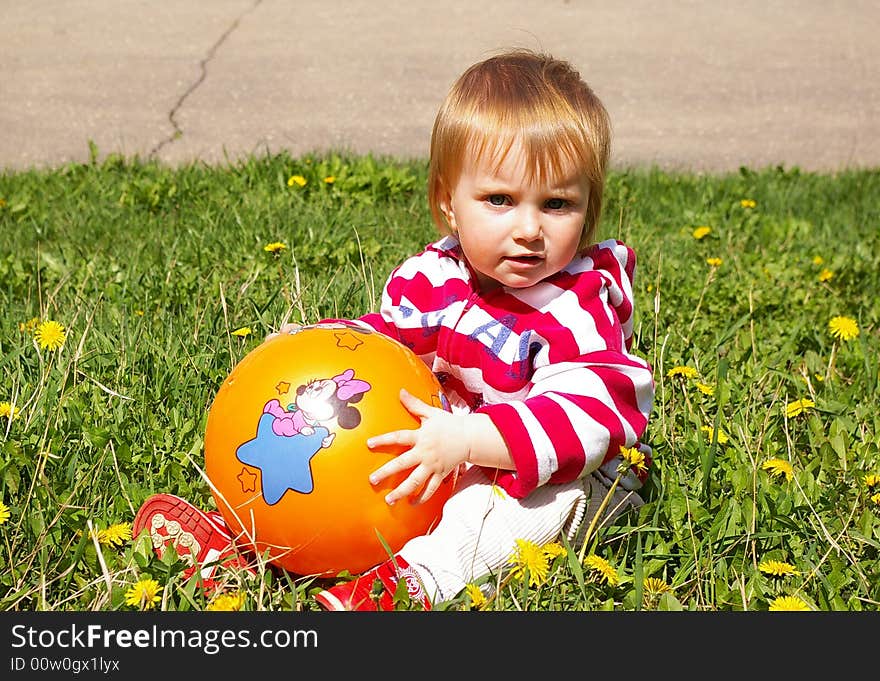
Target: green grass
x,y
150,269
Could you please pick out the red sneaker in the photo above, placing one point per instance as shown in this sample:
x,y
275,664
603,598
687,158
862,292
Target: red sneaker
x,y
201,539
358,594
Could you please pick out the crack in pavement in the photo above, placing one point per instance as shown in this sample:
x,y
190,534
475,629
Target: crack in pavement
x,y
203,66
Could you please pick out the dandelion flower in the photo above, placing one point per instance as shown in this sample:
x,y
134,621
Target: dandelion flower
x,y
875,499
798,407
686,372
633,458
4,513
710,433
29,325
826,275
791,603
529,557
714,262
297,180
478,598
553,550
818,260
747,203
228,602
777,568
844,328
653,586
139,313
705,388
778,467
330,179
701,232
603,567
243,332
275,247
144,594
872,480
50,335
115,535
8,411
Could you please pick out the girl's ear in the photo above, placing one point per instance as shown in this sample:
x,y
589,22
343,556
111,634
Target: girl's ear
x,y
445,204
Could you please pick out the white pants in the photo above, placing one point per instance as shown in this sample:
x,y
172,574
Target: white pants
x,y
477,532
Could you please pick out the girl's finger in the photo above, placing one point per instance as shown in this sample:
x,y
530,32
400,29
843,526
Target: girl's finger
x,y
414,405
403,438
433,485
413,483
396,465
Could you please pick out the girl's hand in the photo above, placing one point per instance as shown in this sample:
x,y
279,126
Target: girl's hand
x,y
440,444
286,328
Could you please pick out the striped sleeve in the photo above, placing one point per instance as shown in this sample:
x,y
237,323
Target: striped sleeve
x,y
582,408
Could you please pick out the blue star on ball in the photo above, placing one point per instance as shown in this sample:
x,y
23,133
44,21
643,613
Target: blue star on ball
x,y
284,462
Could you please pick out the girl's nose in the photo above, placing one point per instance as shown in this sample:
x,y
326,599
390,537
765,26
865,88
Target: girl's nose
x,y
528,224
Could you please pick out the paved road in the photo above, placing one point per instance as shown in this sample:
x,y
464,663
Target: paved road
x,y
706,85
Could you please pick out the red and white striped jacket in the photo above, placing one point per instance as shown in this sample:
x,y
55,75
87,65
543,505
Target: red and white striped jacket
x,y
550,364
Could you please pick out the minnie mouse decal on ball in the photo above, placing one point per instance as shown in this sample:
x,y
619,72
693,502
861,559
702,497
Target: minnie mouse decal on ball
x,y
288,438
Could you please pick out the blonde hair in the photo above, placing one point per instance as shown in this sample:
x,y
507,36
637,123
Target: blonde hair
x,y
526,97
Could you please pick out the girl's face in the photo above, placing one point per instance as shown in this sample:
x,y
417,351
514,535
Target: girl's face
x,y
514,232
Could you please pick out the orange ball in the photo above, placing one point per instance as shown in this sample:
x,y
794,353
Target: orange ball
x,y
286,452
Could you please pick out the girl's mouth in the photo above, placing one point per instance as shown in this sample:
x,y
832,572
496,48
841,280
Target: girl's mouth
x,y
524,259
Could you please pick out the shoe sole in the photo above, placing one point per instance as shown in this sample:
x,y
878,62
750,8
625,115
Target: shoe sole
x,y
195,536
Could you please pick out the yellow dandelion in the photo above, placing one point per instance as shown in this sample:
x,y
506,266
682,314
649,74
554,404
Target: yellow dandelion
x,y
844,328
826,275
529,557
297,180
115,535
790,603
243,332
818,260
798,407
275,247
777,568
705,388
714,262
701,232
29,326
747,203
330,179
4,513
686,372
8,411
603,568
875,499
778,467
227,602
553,550
50,335
710,434
633,458
872,480
653,586
144,594
139,313
478,598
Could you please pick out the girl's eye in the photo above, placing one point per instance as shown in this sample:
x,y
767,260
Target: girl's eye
x,y
497,199
556,204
